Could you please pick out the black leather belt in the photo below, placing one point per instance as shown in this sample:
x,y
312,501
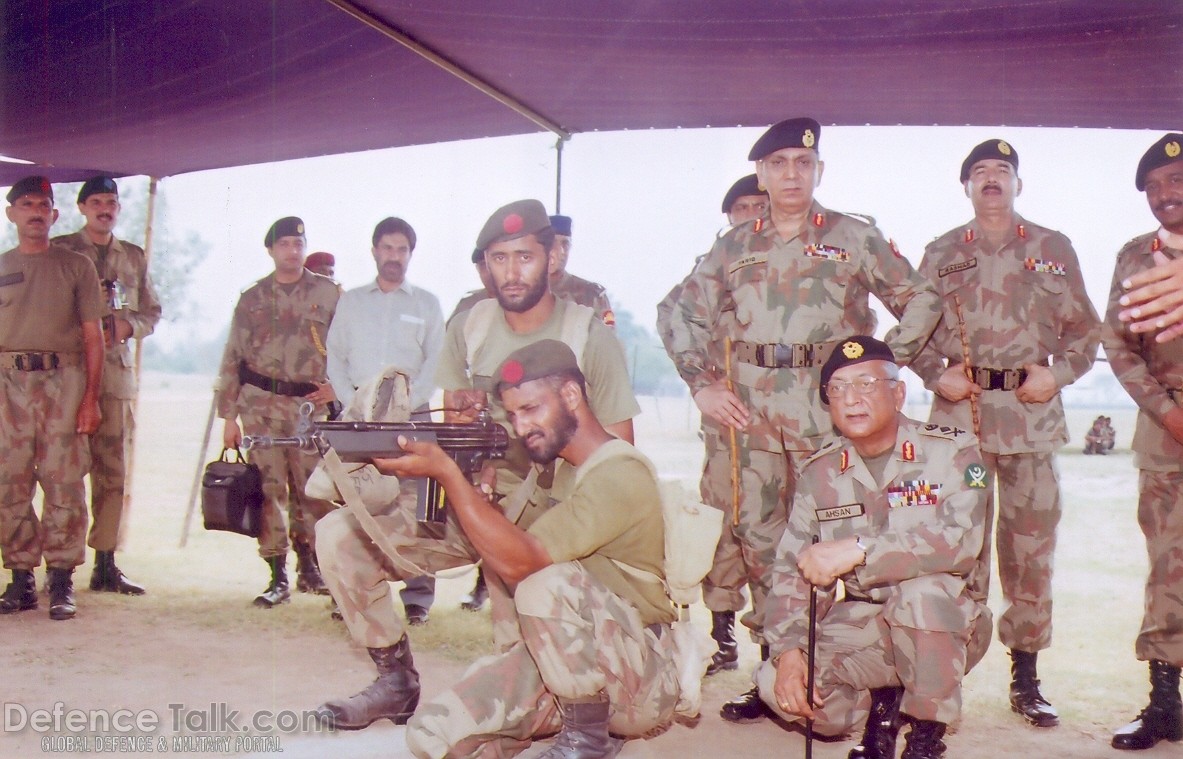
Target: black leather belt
x,y
780,355
30,362
1000,379
850,598
248,376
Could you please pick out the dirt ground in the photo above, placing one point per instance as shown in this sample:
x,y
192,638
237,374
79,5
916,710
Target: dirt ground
x,y
194,648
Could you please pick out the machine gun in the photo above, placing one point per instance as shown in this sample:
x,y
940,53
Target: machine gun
x,y
470,446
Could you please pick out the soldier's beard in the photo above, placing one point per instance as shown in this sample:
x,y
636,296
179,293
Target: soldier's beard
x,y
553,441
527,300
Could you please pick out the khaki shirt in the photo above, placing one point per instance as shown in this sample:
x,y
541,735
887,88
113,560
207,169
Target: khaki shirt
x,y
279,334
45,298
1146,369
813,288
1022,303
126,264
930,518
613,514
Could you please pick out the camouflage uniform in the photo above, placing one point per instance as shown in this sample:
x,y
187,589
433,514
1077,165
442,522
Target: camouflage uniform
x,y
38,409
1022,303
581,631
722,588
585,293
111,445
1152,373
919,598
278,331
810,290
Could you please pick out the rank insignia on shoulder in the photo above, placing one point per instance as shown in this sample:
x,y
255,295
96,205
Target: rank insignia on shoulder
x,y
819,220
1045,267
759,225
1156,245
908,451
844,464
969,235
609,318
828,252
975,476
1022,230
913,493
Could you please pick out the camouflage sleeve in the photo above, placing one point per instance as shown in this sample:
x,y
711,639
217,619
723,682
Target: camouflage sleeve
x,y
226,395
909,296
143,321
945,538
690,323
665,314
1080,333
929,364
786,611
1126,351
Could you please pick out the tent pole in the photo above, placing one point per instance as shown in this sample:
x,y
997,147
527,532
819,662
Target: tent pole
x,y
559,175
381,25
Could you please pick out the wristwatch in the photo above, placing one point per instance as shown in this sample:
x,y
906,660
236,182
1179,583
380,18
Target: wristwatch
x,y
858,541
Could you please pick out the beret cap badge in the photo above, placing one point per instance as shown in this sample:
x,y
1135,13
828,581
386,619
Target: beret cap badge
x,y
512,224
1003,147
1172,149
512,372
852,349
808,139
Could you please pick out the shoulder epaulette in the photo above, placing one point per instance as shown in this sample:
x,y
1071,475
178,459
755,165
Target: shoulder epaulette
x,y
946,432
831,447
863,217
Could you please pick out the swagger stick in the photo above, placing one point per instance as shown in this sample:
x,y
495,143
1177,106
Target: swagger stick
x,y
732,442
811,655
973,399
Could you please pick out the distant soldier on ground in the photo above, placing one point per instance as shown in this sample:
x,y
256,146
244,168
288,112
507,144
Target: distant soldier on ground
x,y
1100,438
273,363
1152,373
1015,303
723,587
135,311
51,370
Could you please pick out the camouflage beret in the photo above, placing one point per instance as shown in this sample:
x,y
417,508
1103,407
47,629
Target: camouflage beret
x,y
319,258
790,133
535,361
35,185
1168,149
288,226
518,219
851,351
561,224
748,185
96,185
990,149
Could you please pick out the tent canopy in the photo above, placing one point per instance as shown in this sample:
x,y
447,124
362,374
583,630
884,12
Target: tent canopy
x,y
162,87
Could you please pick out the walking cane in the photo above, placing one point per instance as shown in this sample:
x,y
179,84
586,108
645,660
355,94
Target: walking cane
x,y
811,655
732,442
209,425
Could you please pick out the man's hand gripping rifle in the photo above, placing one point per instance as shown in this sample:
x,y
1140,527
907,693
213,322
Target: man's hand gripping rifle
x,y
470,446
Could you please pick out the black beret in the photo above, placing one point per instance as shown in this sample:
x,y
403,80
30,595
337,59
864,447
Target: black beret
x,y
996,149
288,226
561,224
852,350
34,185
748,185
478,255
518,219
535,361
96,185
790,133
1168,149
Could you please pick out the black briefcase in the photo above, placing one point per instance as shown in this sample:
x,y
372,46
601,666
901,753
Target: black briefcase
x,y
232,495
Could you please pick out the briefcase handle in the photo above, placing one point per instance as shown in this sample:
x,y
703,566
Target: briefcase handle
x,y
237,451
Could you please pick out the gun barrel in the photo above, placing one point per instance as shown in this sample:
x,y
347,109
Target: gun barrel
x,y
263,442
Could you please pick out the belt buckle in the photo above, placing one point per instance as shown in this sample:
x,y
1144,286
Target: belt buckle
x,y
30,362
766,355
1011,378
982,378
800,355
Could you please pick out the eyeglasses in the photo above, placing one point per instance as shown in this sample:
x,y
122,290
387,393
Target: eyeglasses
x,y
861,386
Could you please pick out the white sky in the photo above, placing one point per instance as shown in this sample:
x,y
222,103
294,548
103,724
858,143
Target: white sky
x,y
644,203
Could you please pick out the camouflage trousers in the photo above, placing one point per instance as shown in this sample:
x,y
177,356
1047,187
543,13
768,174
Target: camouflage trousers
x,y
1028,507
862,645
285,471
578,639
110,449
723,587
1160,515
767,483
38,418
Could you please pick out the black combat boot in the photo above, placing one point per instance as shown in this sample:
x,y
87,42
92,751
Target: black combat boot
x,y
108,577
479,595
277,592
21,593
308,579
722,630
61,593
1025,698
1162,719
585,731
924,740
883,725
393,695
747,706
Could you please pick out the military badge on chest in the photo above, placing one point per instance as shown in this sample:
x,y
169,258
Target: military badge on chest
x,y
913,493
828,252
1045,267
